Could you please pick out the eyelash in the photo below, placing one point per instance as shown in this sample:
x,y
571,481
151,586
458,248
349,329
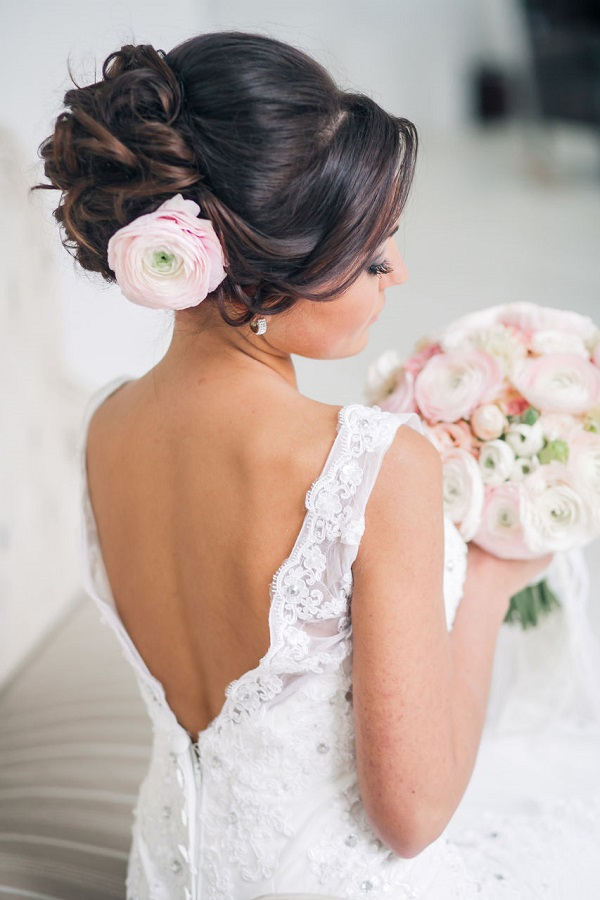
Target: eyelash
x,y
381,268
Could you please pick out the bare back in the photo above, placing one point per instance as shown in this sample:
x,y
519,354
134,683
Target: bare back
x,y
197,503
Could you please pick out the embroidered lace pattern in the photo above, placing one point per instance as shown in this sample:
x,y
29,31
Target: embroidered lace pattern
x,y
276,768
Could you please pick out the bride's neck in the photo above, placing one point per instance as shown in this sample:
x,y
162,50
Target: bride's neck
x,y
204,346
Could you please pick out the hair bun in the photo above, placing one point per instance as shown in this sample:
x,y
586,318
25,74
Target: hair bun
x,y
145,86
115,153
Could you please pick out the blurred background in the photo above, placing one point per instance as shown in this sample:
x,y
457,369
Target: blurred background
x,y
505,207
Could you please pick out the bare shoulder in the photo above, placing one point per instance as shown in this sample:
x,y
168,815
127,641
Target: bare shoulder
x,y
117,407
406,496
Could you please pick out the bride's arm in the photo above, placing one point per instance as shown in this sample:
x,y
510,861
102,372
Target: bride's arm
x,y
420,692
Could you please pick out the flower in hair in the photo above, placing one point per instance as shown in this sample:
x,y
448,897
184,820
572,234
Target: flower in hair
x,y
169,258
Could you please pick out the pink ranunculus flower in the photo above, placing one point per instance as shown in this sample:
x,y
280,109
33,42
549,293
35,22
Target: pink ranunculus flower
x,y
415,363
169,258
503,530
402,397
453,434
596,354
531,318
451,385
463,490
558,382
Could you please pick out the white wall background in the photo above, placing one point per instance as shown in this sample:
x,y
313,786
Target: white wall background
x,y
479,229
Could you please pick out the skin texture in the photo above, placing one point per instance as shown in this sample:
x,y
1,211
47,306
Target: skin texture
x,y
198,472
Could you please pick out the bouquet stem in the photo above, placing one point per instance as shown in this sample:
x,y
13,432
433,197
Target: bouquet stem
x,y
531,603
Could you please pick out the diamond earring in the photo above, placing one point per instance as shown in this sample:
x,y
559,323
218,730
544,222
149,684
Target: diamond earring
x,y
259,326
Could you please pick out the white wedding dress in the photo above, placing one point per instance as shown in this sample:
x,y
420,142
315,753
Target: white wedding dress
x,y
267,801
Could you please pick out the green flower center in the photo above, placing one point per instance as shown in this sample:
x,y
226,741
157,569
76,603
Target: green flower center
x,y
163,260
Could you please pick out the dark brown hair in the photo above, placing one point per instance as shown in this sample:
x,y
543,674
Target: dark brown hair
x,y
302,181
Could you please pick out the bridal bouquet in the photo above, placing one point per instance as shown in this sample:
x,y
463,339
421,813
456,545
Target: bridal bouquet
x,y
510,396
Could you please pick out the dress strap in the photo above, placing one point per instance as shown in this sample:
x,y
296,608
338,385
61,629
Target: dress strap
x,y
371,431
311,589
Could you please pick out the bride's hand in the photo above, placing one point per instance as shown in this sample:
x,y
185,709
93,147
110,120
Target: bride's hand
x,y
490,575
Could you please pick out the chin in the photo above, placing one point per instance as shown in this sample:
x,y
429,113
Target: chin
x,y
355,348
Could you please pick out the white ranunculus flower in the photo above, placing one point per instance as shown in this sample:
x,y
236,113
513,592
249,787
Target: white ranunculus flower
x,y
503,345
488,422
584,466
458,334
522,466
525,440
381,377
561,517
496,460
463,491
555,341
492,337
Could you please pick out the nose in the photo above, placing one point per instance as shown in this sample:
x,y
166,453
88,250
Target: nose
x,y
399,273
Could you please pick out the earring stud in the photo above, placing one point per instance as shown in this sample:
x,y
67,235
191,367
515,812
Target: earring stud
x,y
259,326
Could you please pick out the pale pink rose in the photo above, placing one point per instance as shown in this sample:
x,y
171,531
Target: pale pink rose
x,y
503,530
451,385
169,258
453,434
488,422
558,382
596,354
561,517
531,318
402,398
415,363
463,491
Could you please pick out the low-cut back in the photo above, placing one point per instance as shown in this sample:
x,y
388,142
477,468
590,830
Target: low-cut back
x,y
266,800
216,817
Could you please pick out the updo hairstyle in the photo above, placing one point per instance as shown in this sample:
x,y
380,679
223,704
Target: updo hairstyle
x,y
302,181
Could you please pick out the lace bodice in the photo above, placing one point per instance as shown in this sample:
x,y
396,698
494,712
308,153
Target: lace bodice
x,y
267,795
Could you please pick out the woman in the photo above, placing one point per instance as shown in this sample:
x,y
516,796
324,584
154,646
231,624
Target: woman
x,y
314,729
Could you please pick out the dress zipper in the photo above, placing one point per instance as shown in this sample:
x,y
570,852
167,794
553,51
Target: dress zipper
x,y
194,818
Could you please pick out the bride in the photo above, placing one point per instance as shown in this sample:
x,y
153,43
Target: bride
x,y
312,638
